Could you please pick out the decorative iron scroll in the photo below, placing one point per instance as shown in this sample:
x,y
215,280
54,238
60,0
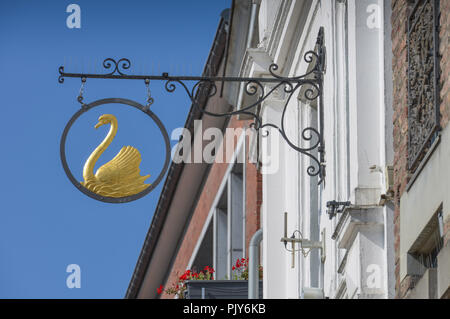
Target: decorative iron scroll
x,y
255,87
423,79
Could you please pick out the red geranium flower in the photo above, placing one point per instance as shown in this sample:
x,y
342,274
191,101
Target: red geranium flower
x,y
160,290
209,269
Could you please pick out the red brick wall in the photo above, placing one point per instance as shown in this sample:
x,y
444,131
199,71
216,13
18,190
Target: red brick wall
x,y
400,119
206,199
447,231
253,202
444,38
444,35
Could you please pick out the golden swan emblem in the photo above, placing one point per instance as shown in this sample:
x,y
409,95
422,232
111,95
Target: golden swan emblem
x,y
119,177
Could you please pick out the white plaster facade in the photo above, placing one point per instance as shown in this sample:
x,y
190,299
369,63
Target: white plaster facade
x,y
357,119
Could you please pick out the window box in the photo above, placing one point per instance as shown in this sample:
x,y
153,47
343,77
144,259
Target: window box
x,y
219,289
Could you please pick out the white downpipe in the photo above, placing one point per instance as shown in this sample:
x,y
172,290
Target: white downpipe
x,y
251,28
253,259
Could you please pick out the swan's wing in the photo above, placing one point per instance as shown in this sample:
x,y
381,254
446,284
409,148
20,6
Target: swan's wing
x,y
122,168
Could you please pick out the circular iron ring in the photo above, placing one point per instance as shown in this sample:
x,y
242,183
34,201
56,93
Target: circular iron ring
x,y
77,184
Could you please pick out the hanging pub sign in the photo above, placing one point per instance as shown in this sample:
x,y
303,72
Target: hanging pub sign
x,y
120,179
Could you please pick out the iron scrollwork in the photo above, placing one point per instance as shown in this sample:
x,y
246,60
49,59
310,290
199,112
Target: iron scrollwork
x,y
254,87
423,79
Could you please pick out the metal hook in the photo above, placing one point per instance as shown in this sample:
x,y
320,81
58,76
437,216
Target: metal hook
x,y
149,96
80,95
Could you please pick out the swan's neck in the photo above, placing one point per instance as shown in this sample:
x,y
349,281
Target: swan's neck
x,y
88,170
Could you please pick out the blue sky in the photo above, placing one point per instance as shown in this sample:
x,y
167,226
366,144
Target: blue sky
x,y
45,222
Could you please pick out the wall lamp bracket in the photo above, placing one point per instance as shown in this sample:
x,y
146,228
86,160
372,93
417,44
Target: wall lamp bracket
x,y
335,207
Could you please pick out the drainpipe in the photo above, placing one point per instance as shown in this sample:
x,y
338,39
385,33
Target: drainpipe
x,y
251,28
253,271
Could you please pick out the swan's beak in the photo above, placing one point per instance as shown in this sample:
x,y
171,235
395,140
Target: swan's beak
x,y
98,124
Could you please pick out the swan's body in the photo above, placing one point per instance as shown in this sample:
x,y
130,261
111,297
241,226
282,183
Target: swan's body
x,y
119,177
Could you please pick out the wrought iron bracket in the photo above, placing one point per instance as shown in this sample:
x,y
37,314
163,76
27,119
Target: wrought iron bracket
x,y
311,81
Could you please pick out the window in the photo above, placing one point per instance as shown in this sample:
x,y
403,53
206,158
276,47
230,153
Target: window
x,y
229,224
205,251
223,238
428,244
